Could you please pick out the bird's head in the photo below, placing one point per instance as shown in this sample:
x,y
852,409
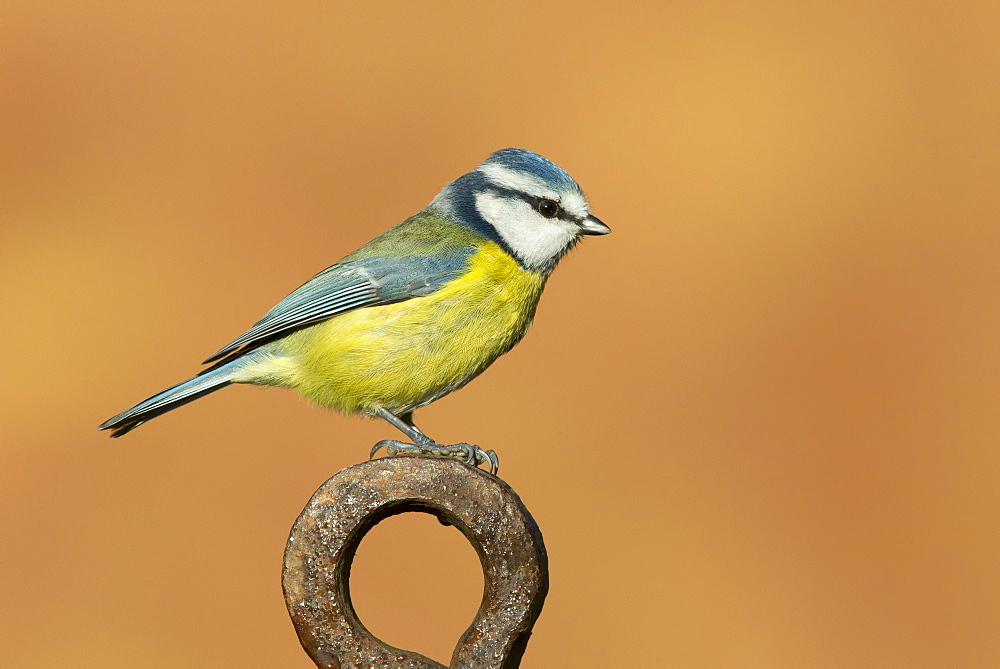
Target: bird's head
x,y
526,203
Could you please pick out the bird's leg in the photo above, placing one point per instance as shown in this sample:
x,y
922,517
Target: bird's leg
x,y
425,446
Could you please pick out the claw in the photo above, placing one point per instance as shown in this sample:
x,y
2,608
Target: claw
x,y
471,457
476,456
468,453
376,447
491,455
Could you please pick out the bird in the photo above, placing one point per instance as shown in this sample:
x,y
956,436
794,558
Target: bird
x,y
415,313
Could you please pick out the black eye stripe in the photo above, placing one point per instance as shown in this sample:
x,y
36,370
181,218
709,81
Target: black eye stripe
x,y
535,202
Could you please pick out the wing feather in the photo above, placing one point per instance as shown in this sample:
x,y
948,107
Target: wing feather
x,y
351,285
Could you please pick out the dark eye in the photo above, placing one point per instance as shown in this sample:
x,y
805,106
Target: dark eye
x,y
548,208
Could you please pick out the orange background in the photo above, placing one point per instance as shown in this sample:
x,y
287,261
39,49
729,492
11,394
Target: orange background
x,y
758,424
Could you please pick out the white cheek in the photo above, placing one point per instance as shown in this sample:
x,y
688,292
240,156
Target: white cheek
x,y
535,239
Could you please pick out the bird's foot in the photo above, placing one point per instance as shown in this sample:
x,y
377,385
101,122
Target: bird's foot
x,y
467,453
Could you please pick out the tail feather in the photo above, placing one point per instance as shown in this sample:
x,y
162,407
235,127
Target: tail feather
x,y
171,398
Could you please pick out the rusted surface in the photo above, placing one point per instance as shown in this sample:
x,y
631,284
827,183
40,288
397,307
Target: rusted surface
x,y
324,539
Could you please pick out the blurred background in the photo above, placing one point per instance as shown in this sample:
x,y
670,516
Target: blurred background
x,y
758,424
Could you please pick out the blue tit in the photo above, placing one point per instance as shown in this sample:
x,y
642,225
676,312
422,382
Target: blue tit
x,y
417,312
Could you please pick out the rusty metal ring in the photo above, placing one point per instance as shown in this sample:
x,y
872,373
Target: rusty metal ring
x,y
324,539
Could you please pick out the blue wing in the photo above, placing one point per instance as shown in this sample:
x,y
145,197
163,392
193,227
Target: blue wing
x,y
364,282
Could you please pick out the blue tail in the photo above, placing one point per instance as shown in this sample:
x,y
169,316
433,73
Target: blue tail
x,y
187,391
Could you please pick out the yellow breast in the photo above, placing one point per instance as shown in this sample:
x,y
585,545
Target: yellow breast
x,y
405,355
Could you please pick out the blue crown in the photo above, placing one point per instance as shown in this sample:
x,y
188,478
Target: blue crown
x,y
523,160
